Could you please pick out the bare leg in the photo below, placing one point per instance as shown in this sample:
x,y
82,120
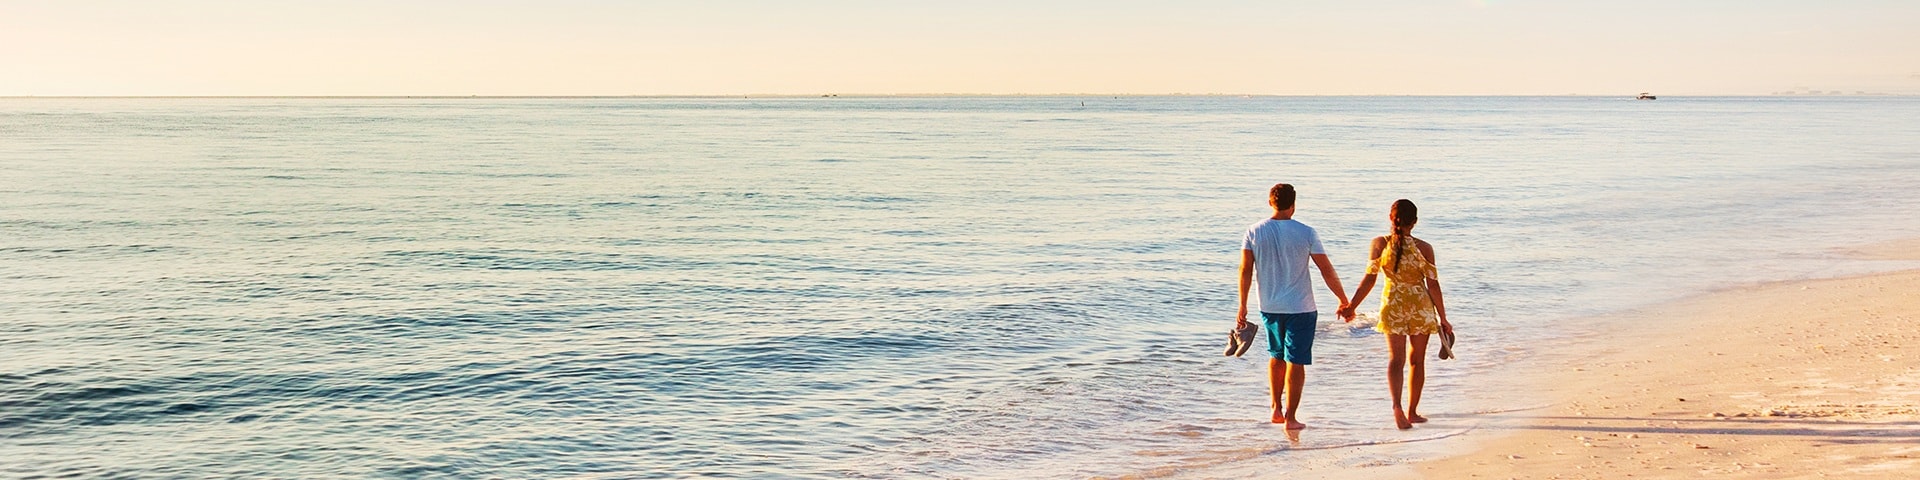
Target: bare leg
x,y
1277,377
1418,380
1396,372
1296,381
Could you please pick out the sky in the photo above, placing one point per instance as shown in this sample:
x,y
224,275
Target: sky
x,y
807,47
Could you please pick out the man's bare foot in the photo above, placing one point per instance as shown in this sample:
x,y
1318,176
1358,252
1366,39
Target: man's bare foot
x,y
1293,425
1400,420
1416,418
1278,418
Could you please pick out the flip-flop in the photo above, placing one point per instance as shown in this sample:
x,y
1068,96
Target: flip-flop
x,y
1446,343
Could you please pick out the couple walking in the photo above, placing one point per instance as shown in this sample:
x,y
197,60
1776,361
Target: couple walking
x,y
1276,252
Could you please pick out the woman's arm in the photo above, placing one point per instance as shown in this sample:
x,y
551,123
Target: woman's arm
x,y
1433,288
1366,283
1359,293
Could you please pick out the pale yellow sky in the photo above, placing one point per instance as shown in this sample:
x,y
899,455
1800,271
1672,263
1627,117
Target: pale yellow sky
x,y
721,47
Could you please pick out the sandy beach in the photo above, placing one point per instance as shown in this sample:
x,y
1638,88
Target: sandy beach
x,y
1805,379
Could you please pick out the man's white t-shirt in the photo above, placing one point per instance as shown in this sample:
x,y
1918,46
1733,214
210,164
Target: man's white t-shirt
x,y
1281,252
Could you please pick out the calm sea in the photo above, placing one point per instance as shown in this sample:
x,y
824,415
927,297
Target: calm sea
x,y
840,287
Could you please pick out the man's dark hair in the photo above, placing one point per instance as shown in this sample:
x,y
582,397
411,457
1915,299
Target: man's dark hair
x,y
1281,195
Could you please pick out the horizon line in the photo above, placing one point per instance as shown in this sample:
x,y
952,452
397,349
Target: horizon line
x,y
925,95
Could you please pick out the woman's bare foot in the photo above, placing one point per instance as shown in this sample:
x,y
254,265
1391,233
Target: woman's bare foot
x,y
1400,420
1279,417
1416,418
1293,425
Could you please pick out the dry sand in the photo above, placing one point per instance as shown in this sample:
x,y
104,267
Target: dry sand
x,y
1814,379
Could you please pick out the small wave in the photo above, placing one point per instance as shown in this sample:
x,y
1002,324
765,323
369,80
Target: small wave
x,y
1219,459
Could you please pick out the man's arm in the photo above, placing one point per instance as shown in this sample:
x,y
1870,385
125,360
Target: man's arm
x,y
1246,281
1333,279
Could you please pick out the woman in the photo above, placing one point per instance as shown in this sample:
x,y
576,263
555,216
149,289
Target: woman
x,y
1410,306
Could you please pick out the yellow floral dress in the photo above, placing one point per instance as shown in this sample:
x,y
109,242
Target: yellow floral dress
x,y
1404,306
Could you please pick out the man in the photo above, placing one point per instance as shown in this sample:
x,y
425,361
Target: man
x,y
1276,251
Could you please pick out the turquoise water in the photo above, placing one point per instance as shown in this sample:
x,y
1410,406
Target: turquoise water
x,y
838,287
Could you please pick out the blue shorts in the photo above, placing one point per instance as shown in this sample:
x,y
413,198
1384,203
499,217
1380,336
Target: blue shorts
x,y
1290,336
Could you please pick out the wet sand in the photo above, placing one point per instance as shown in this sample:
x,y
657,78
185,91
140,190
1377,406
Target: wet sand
x,y
1806,379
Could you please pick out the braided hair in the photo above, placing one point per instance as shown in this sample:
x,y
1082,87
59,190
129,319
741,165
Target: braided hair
x,y
1403,215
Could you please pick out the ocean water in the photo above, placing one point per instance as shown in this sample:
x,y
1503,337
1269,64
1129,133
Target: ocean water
x,y
987,287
